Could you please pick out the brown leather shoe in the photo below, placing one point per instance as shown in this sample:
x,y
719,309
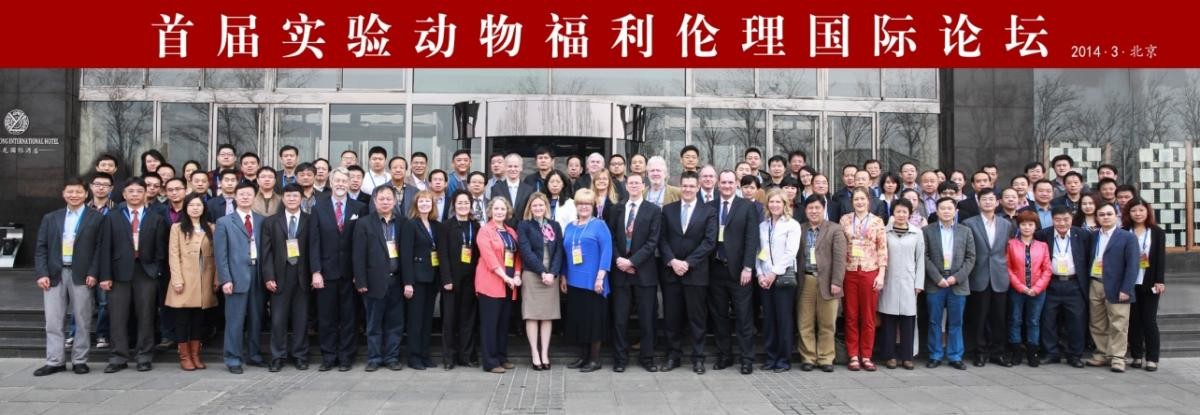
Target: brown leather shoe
x,y
890,363
185,357
194,347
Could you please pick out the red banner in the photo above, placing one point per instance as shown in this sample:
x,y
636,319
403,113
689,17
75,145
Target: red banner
x,y
474,33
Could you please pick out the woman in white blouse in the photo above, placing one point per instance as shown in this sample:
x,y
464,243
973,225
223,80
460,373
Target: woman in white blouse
x,y
562,207
779,237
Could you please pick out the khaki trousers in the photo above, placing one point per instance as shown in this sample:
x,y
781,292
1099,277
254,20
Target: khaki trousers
x,y
816,343
1109,325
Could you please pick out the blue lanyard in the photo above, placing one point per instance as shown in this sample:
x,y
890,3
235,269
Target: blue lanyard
x,y
389,230
79,219
1065,250
507,239
580,233
432,240
468,237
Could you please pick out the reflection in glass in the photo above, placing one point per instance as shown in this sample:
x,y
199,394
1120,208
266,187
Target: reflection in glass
x,y
184,132
433,134
723,134
796,132
189,78
494,81
665,136
123,129
910,83
907,137
723,82
307,78
360,127
240,126
854,83
851,140
300,127
235,78
787,83
645,82
113,77
391,79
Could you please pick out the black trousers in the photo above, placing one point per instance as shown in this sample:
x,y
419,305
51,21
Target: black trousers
x,y
336,321
420,322
136,298
725,293
1066,299
289,310
779,324
189,324
494,316
646,298
460,316
1143,324
888,349
685,307
987,322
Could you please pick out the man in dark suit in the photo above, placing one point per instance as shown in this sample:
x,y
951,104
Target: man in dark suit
x,y
407,193
285,270
512,188
969,207
737,240
544,161
1070,250
634,226
377,272
987,328
842,200
330,229
237,243
66,264
949,259
1113,272
134,251
689,234
223,202
1072,184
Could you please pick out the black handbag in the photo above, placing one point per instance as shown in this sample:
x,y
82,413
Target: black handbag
x,y
788,279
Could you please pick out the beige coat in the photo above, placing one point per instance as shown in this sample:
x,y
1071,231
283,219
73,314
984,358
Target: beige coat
x,y
185,256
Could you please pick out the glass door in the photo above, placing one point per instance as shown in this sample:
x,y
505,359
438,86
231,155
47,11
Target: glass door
x,y
791,131
301,126
849,139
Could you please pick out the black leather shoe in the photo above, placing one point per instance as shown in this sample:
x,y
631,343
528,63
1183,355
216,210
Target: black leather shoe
x,y
255,363
958,364
590,367
578,363
619,368
417,365
650,367
396,366
115,367
143,367
301,364
325,367
1051,360
275,366
1076,363
448,366
782,368
827,368
1001,360
933,364
81,369
747,368
372,366
721,364
49,370
669,365
698,367
767,366
344,368
237,370
981,361
806,367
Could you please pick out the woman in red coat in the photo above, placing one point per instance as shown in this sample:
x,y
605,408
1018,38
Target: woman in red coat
x,y
496,280
1028,274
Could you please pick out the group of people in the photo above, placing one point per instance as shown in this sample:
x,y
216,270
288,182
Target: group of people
x,y
1038,271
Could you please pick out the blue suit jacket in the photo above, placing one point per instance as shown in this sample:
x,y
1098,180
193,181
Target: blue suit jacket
x,y
231,247
1120,260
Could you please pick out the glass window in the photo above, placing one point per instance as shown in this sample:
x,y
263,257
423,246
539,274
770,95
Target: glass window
x,y
723,82
906,137
189,78
665,136
391,79
723,134
488,81
307,78
910,83
235,78
851,141
787,83
184,132
647,82
300,127
123,129
113,77
854,83
360,127
796,132
240,126
433,134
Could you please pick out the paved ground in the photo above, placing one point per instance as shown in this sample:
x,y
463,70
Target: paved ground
x,y
1175,388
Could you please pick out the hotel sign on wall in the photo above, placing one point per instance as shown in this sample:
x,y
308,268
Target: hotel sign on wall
x,y
13,143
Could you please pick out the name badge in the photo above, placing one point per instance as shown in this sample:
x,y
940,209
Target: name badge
x,y
1098,267
812,255
763,255
293,248
577,255
433,258
68,247
135,242
253,251
946,263
392,252
1060,265
508,259
856,250
465,255
1144,261
721,234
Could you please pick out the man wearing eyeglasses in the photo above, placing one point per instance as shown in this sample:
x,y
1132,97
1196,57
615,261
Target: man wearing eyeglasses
x,y
1113,271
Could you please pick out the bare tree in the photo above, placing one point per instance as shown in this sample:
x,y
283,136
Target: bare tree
x,y
1053,102
1188,108
1152,108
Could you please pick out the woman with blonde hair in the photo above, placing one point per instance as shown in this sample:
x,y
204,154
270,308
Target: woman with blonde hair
x,y
419,269
779,237
542,254
604,193
588,246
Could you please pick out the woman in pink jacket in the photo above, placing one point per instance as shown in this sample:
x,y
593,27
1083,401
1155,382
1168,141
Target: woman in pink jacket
x,y
1028,274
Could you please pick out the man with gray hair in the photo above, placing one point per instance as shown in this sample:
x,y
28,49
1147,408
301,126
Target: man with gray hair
x,y
512,188
595,163
659,192
708,184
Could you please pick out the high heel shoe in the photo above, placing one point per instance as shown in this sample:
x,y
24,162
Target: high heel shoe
x,y
535,366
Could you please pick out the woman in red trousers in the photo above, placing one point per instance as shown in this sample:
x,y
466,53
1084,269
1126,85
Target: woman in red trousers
x,y
866,263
